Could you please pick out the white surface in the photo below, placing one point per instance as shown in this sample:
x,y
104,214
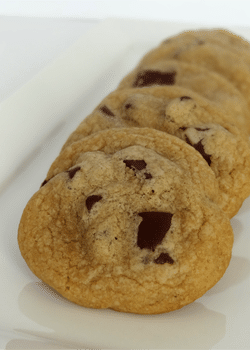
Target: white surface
x,y
218,12
27,45
32,315
37,107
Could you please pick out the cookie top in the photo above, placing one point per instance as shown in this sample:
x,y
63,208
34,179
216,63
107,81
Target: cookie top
x,y
221,37
211,56
160,107
127,225
228,155
209,84
111,140
226,147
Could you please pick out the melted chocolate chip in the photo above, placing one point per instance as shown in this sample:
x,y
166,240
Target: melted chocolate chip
x,y
150,77
200,148
200,129
128,105
148,176
164,258
91,200
183,128
185,98
107,111
188,141
135,164
153,229
44,183
73,171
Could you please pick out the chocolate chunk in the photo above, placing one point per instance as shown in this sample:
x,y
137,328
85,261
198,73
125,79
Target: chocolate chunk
x,y
148,176
91,200
200,129
153,229
150,77
73,171
200,148
128,105
107,111
164,258
44,183
185,98
135,164
183,128
188,141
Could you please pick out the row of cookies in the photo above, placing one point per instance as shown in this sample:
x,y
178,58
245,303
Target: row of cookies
x,y
134,213
219,51
188,116
167,93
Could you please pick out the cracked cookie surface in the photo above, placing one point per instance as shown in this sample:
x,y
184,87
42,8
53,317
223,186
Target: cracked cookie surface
x,y
160,107
228,154
208,84
221,37
227,147
212,56
125,223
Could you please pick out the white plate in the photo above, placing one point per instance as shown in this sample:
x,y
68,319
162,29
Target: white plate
x,y
32,315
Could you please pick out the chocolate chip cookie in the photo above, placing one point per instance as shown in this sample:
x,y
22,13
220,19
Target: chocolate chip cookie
x,y
211,56
154,107
224,147
127,220
134,212
228,154
209,84
221,37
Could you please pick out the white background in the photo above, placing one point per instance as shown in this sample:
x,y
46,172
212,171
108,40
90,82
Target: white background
x,y
32,33
224,12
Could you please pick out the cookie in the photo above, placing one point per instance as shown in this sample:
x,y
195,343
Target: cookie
x,y
153,107
209,84
224,147
127,223
220,37
228,155
215,58
110,140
